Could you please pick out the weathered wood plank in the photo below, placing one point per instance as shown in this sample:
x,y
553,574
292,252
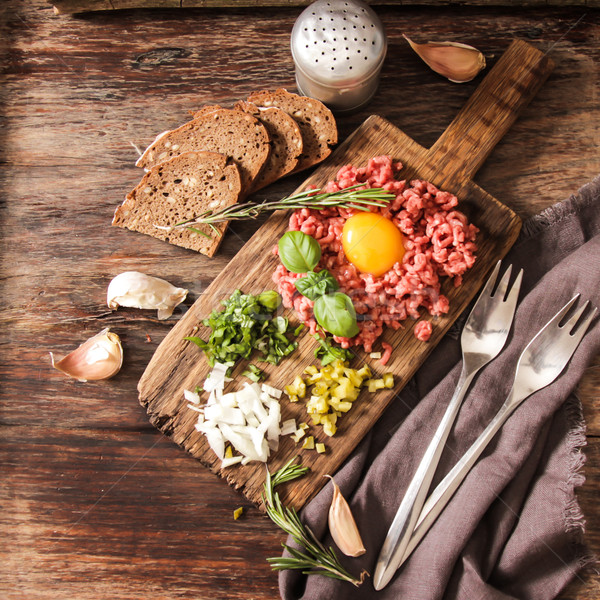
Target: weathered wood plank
x,y
129,515
75,92
69,511
79,6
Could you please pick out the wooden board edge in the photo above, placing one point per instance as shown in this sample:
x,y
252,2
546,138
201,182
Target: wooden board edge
x,y
327,171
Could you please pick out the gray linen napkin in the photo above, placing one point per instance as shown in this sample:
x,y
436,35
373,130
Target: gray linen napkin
x,y
513,529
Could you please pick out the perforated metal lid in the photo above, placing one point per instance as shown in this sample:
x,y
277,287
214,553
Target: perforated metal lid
x,y
338,43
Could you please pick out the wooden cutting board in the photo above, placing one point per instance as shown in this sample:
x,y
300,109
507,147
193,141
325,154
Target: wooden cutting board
x,y
450,164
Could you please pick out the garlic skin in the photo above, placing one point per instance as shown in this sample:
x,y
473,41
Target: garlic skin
x,y
138,290
457,62
342,525
98,358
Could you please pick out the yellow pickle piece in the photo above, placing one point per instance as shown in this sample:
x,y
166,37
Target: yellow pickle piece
x,y
333,389
309,443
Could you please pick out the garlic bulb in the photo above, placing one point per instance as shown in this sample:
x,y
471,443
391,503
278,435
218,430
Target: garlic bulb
x,y
100,357
457,62
137,290
342,525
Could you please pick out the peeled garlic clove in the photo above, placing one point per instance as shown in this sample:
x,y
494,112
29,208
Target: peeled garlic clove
x,y
458,62
342,525
100,357
138,290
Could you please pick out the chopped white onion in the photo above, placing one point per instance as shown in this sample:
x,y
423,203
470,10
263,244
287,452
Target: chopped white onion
x,y
233,460
271,391
288,427
248,419
192,397
216,441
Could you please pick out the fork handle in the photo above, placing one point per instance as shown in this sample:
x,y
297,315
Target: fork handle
x,y
440,497
406,517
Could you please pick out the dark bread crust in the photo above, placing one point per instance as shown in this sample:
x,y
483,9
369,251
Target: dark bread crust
x,y
317,123
236,134
179,189
286,142
219,157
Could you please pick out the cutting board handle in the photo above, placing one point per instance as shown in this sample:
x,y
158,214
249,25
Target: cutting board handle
x,y
490,112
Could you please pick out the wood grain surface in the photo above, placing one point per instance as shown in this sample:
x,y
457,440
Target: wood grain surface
x,y
95,502
449,164
78,6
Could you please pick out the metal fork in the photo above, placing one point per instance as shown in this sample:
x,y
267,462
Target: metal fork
x,y
482,339
542,361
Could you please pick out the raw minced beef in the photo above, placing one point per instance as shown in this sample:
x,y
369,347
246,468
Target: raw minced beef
x,y
438,239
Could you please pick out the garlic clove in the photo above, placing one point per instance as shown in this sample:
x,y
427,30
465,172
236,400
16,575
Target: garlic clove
x,y
138,290
457,62
100,357
342,525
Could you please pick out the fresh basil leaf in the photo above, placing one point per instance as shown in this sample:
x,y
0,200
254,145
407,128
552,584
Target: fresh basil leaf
x,y
299,252
253,373
269,299
313,285
246,322
327,351
198,341
335,313
281,324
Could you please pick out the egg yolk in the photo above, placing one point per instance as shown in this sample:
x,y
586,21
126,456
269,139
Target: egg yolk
x,y
372,243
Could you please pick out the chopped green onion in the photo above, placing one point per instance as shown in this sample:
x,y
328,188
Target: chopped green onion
x,y
253,373
245,323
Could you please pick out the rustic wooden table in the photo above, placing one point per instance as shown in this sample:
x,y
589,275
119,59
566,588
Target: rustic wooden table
x,y
95,503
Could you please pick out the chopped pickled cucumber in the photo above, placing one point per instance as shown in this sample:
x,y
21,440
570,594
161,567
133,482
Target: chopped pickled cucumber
x,y
335,386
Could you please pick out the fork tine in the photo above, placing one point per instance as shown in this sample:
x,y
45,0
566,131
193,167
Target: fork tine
x,y
490,283
552,327
513,294
500,292
559,316
570,324
516,286
583,327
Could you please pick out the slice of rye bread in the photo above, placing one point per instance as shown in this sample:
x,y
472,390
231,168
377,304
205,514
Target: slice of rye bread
x,y
316,122
180,189
238,135
286,142
205,110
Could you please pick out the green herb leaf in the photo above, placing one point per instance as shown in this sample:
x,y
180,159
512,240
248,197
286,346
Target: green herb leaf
x,y
270,299
313,285
281,324
314,558
199,232
328,352
355,196
299,252
198,341
335,313
298,329
253,373
245,323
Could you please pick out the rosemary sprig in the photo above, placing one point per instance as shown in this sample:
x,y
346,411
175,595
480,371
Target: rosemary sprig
x,y
314,559
350,197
